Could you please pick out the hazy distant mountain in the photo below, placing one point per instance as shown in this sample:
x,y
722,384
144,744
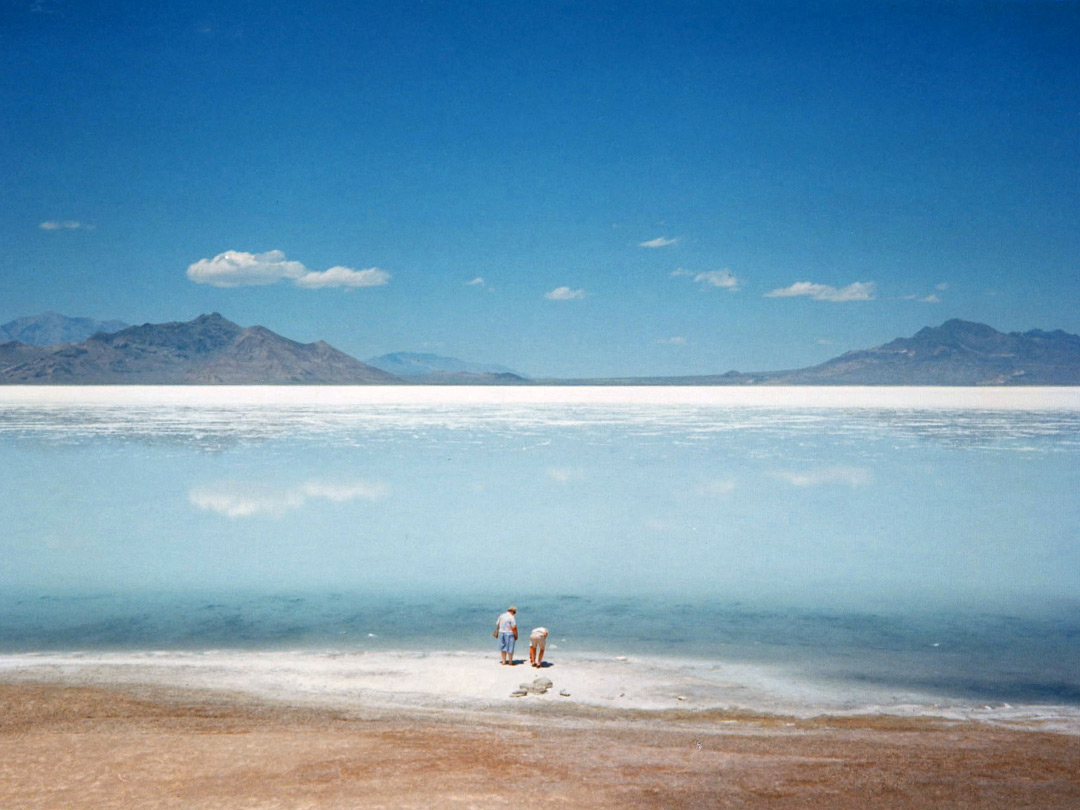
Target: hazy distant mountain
x,y
412,364
207,350
52,329
466,378
955,353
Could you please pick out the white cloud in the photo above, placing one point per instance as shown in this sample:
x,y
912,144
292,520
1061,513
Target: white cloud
x,y
564,294
926,299
673,341
65,225
821,341
235,500
235,268
825,476
476,282
344,277
724,279
942,286
563,475
658,242
858,291
718,278
342,492
236,504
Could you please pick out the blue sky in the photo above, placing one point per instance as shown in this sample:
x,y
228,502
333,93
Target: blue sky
x,y
564,188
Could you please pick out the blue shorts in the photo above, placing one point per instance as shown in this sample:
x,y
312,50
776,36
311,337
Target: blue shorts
x,y
506,643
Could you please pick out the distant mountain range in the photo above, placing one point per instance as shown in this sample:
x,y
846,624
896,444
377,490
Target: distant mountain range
x,y
412,364
214,350
436,369
52,329
208,350
955,353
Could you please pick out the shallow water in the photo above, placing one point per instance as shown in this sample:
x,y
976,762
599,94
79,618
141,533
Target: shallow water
x,y
926,539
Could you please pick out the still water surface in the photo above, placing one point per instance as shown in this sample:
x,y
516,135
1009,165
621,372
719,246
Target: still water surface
x,y
927,536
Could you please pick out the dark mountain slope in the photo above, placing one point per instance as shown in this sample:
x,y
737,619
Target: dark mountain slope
x,y
207,350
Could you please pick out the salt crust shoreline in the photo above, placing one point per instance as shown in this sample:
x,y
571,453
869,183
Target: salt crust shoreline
x,y
919,397
597,686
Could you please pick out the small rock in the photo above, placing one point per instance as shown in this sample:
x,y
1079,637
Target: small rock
x,y
564,693
621,658
680,697
518,693
537,687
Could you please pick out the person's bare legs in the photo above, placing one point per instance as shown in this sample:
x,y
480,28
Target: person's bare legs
x,y
507,656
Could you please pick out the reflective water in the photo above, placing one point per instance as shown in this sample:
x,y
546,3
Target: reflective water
x,y
902,533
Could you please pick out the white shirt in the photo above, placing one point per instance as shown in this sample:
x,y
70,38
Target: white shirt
x,y
506,623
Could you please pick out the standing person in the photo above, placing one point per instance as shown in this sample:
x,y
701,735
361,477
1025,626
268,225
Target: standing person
x,y
506,633
537,643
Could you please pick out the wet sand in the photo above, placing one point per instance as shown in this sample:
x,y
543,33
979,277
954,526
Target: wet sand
x,y
65,746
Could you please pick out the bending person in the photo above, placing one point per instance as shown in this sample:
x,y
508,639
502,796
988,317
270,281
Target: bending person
x,y
537,643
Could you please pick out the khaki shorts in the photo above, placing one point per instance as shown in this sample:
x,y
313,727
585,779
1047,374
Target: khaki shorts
x,y
538,642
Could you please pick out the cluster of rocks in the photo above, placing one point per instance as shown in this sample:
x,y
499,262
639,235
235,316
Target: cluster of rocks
x,y
537,687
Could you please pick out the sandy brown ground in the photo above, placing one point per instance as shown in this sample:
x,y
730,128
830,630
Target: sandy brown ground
x,y
70,747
